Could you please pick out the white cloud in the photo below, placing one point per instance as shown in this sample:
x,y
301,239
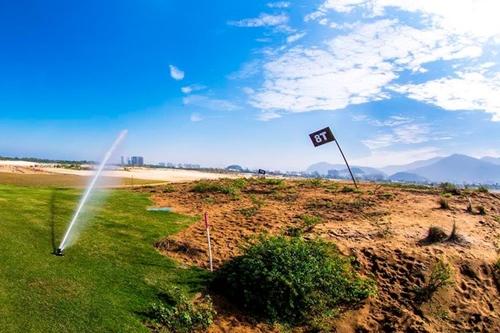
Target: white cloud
x,y
475,17
279,4
248,90
353,68
380,158
176,73
295,37
206,102
195,117
270,115
467,91
400,134
247,70
264,20
192,88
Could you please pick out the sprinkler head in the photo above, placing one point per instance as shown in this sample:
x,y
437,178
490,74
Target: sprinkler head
x,y
58,252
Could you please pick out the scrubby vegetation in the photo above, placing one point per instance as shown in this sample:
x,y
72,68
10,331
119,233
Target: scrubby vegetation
x,y
435,235
292,280
441,276
482,189
347,189
449,188
232,187
307,223
176,313
443,203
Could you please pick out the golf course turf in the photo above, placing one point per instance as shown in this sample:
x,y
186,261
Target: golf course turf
x,y
105,282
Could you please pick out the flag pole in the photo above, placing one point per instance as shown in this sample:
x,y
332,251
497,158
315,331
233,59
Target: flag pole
x,y
348,167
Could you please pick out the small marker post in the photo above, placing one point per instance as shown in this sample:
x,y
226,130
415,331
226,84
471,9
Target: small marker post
x,y
207,227
325,135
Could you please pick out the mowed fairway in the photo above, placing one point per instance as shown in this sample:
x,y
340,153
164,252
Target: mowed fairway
x,y
106,280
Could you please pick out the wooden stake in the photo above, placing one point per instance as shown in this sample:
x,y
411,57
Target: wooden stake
x,y
207,227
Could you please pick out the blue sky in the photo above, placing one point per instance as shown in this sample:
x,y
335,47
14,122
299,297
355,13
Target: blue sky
x,y
222,82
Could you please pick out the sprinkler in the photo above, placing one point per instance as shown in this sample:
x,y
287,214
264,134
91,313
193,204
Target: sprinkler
x,y
58,252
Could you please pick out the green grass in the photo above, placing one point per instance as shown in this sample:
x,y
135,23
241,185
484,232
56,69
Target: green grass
x,y
105,281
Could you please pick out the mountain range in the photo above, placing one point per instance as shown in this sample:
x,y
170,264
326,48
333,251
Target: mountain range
x,y
455,168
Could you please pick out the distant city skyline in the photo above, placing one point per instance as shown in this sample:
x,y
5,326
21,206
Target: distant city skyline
x,y
231,82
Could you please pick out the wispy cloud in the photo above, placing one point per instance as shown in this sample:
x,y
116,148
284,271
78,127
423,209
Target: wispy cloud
x,y
267,116
206,102
195,117
278,4
247,70
295,37
263,20
176,73
192,88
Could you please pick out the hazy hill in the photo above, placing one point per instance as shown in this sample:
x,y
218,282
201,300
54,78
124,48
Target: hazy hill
x,y
322,168
392,169
459,169
407,177
494,160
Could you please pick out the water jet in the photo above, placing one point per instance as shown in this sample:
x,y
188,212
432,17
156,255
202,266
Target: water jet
x,y
87,194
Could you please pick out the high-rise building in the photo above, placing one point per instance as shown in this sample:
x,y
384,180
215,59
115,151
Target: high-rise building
x,y
137,161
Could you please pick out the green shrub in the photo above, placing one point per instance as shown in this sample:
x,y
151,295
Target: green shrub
x,y
176,313
449,188
441,276
443,203
291,280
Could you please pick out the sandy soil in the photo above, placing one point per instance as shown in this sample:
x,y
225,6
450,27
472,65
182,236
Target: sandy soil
x,y
170,175
381,226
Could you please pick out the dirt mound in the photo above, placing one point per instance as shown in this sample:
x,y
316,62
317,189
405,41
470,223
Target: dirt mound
x,y
381,226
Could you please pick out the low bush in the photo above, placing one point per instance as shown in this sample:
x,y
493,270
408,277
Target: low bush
x,y
292,280
176,313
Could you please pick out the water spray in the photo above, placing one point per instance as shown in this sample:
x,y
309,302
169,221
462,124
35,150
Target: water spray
x,y
88,192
